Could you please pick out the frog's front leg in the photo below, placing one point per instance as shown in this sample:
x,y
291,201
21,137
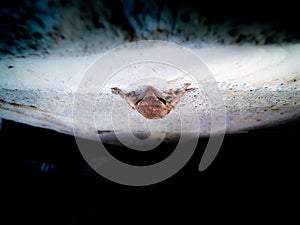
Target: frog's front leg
x,y
118,91
177,97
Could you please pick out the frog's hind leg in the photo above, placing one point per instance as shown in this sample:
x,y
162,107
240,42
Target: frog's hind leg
x,y
118,91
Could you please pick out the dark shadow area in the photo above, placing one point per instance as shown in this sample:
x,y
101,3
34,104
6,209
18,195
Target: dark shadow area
x,y
45,173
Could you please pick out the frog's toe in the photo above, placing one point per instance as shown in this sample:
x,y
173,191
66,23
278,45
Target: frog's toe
x,y
115,90
190,89
187,85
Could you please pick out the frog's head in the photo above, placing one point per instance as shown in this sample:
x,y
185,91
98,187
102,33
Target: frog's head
x,y
152,107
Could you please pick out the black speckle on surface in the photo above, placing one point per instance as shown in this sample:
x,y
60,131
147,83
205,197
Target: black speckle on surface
x,y
5,52
241,38
10,67
33,47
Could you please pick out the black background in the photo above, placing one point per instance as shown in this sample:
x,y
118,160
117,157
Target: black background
x,y
258,168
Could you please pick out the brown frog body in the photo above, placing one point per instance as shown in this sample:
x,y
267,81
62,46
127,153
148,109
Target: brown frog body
x,y
151,103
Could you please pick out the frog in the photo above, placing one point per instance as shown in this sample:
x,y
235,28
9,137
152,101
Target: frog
x,y
151,102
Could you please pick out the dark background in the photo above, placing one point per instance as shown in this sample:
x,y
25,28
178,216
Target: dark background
x,y
258,168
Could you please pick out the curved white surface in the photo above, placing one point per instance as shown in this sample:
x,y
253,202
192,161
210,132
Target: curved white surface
x,y
260,86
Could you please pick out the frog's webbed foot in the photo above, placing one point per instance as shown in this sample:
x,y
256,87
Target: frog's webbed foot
x,y
118,91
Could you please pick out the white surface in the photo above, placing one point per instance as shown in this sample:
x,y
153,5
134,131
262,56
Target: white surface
x,y
260,86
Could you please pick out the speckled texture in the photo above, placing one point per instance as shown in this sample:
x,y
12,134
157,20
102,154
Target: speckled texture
x,y
256,94
43,28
